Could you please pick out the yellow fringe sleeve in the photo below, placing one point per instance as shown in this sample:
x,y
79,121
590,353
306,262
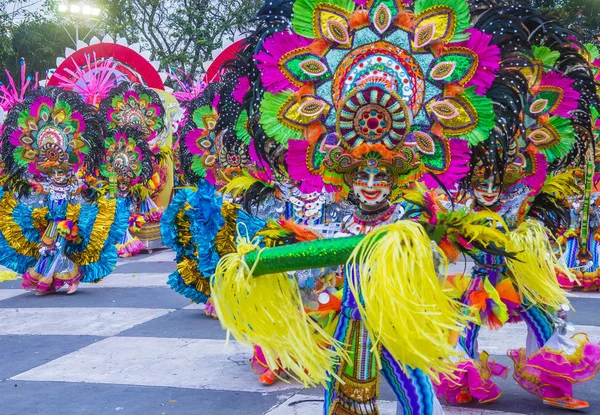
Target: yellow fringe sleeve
x,y
268,311
405,308
534,268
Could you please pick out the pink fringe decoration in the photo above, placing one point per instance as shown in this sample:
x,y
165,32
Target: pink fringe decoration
x,y
549,373
470,383
242,87
570,97
459,166
131,247
262,171
93,81
268,59
10,95
189,88
489,60
298,171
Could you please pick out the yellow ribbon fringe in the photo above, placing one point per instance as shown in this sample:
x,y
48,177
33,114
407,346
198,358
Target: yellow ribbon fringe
x,y
268,311
534,268
405,308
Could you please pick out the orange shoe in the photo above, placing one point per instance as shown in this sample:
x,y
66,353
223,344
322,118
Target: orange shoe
x,y
464,397
567,403
267,378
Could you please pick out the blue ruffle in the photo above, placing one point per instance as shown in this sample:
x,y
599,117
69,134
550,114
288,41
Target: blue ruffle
x,y
8,256
168,227
107,261
206,220
176,283
249,223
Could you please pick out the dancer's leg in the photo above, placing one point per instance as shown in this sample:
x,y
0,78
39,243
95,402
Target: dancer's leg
x,y
413,390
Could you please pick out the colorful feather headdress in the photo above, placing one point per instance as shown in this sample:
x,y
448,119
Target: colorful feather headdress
x,y
379,83
51,129
127,157
132,105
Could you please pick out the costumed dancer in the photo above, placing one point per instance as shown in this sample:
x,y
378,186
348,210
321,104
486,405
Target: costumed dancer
x,y
127,163
541,100
133,106
363,90
55,229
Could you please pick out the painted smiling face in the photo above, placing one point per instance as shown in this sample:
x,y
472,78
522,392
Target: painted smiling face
x,y
372,186
486,190
59,175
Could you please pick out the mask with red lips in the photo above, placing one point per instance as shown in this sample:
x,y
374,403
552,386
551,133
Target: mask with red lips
x,y
372,186
486,191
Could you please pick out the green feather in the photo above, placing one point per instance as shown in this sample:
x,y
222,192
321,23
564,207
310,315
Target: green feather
x,y
18,159
200,113
567,139
304,10
546,55
270,107
197,166
593,51
485,114
23,115
240,128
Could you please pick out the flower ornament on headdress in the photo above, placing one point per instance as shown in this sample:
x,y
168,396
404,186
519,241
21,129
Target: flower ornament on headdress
x,y
352,80
49,134
134,106
127,157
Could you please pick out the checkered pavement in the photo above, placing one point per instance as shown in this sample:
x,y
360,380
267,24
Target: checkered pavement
x,y
131,345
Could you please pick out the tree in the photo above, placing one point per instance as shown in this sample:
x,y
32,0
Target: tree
x,y
180,33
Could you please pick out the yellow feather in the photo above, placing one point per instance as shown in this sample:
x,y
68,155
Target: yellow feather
x,y
239,185
562,185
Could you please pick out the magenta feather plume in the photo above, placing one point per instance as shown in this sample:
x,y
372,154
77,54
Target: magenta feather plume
x,y
295,158
10,94
38,103
489,60
268,59
262,171
460,155
93,81
570,96
189,88
536,180
241,88
191,140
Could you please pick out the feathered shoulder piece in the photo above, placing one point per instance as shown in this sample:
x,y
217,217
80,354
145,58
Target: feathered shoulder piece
x,y
462,230
51,130
286,232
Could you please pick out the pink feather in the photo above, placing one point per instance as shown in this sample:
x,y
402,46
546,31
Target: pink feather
x,y
11,95
536,180
242,87
268,59
458,168
93,81
489,60
298,170
570,95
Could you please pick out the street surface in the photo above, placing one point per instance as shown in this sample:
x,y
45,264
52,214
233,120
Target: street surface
x,y
131,345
